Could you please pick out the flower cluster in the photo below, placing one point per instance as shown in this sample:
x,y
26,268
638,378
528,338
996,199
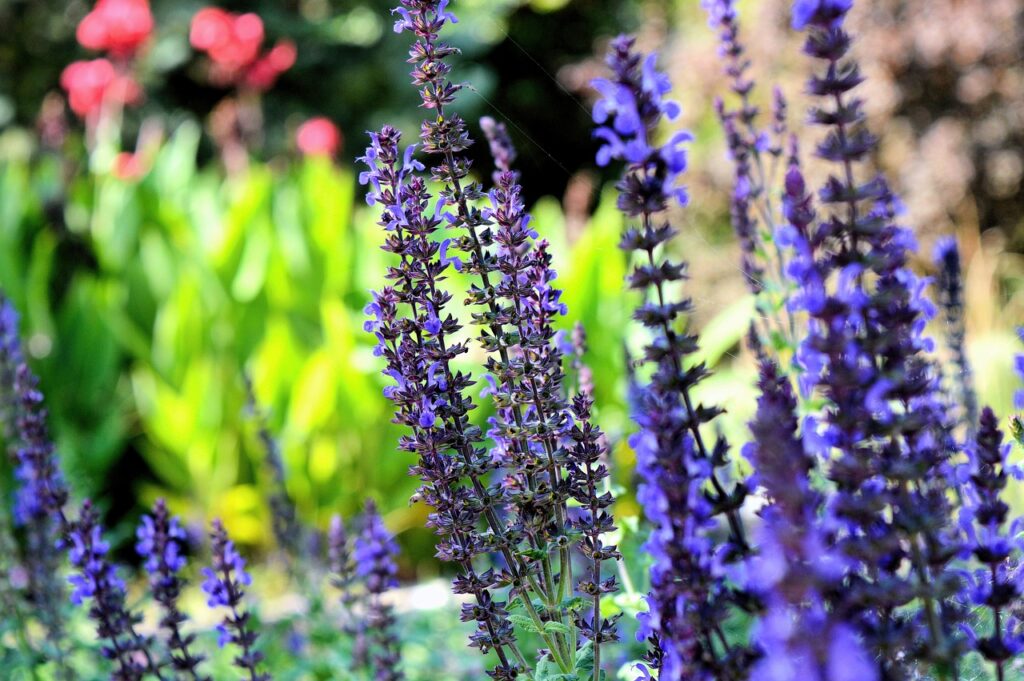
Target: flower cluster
x,y
224,585
795,566
92,84
345,580
160,539
119,28
234,43
545,451
756,154
683,490
318,137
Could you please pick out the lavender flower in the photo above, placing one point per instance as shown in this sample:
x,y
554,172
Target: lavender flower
x,y
951,300
996,542
374,558
224,586
96,580
884,427
682,492
160,539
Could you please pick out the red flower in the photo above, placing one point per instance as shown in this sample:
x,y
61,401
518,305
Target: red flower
x,y
233,43
318,137
264,71
232,40
90,83
117,26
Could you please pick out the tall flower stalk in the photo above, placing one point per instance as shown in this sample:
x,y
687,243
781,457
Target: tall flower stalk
x,y
96,580
883,428
373,555
950,287
224,585
160,537
684,489
24,430
995,540
540,442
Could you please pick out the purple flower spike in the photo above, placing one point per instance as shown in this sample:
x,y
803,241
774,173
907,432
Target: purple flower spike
x,y
95,580
224,587
682,490
373,555
160,538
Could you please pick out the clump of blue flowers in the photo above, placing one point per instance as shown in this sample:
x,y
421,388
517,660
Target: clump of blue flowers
x,y
864,530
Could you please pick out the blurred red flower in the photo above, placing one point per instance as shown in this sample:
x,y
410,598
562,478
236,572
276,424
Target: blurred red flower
x,y
128,166
119,27
90,83
233,43
318,137
264,71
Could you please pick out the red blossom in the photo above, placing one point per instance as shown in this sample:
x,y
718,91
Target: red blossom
x,y
119,27
233,43
318,137
90,83
264,71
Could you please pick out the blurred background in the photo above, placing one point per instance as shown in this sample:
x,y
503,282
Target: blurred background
x,y
200,231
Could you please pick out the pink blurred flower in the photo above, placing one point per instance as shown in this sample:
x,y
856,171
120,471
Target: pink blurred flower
x,y
318,137
119,27
90,83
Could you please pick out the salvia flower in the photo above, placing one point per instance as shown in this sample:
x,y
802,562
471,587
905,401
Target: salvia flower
x,y
288,531
996,542
224,585
96,580
40,494
373,555
884,428
799,638
160,539
345,579
950,287
755,152
682,489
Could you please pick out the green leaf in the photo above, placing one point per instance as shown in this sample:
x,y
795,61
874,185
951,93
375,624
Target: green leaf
x,y
523,622
556,628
